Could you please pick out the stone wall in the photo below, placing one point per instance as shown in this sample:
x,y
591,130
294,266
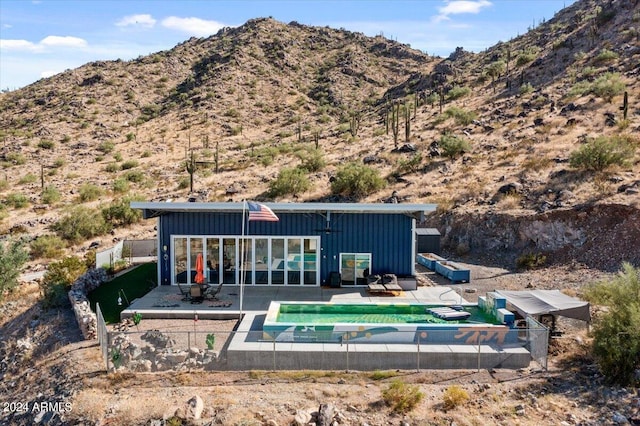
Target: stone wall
x,y
78,296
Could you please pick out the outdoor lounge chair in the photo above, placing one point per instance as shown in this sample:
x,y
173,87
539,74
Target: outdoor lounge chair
x,y
211,292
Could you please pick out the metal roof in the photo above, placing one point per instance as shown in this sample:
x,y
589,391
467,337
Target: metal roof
x,y
152,209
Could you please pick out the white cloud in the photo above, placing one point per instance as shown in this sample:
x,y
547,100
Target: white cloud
x,y
67,41
7,26
457,7
193,26
463,6
17,45
141,20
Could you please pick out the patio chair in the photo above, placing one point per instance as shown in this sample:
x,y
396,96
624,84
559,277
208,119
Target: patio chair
x,y
185,290
211,292
195,291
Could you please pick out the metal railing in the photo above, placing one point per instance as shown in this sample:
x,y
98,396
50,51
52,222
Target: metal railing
x,y
207,349
103,335
134,251
538,341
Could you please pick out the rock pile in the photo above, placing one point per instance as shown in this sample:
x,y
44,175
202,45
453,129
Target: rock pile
x,y
159,354
88,282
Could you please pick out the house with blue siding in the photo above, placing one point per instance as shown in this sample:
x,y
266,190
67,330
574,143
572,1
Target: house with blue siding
x,y
309,245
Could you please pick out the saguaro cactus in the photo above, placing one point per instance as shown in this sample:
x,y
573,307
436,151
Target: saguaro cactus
x,y
407,121
395,119
191,166
625,105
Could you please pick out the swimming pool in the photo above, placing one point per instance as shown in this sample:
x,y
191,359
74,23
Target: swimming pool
x,y
384,323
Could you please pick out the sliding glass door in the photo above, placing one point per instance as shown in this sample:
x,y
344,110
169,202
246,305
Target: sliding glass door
x,y
259,260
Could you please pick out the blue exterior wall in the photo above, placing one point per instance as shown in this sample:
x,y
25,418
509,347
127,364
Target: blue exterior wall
x,y
388,237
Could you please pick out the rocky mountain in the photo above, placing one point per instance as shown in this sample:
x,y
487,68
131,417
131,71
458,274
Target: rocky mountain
x,y
480,134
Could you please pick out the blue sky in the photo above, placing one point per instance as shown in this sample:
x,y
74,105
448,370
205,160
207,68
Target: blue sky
x,y
40,38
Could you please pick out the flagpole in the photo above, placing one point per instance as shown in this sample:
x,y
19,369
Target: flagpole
x,y
244,203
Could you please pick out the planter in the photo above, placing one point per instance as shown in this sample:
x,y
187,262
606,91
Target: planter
x,y
456,273
429,260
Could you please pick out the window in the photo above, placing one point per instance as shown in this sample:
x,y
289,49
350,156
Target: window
x,y
354,268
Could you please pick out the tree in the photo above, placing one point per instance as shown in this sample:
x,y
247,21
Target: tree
x,y
616,334
494,70
12,257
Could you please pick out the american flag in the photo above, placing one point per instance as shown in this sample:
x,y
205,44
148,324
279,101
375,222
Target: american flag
x,y
261,212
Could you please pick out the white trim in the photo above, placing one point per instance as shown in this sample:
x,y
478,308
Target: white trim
x,y
413,247
289,207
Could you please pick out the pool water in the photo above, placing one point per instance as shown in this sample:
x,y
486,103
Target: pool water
x,y
371,314
379,323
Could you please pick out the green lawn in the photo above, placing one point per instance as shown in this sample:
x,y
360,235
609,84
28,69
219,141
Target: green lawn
x,y
135,283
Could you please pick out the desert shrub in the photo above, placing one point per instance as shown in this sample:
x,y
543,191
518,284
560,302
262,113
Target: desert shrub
x,y
117,156
15,158
79,224
402,397
58,279
106,147
526,88
184,182
17,200
27,179
89,192
289,181
356,180
432,99
605,56
120,213
409,165
47,246
461,116
531,261
129,164
50,195
135,176
383,374
4,184
603,152
454,396
12,258
608,86
112,168
120,185
453,146
46,144
525,57
458,92
58,162
312,160
616,335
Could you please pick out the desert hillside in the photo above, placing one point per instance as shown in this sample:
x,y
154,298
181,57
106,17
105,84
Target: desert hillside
x,y
480,134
